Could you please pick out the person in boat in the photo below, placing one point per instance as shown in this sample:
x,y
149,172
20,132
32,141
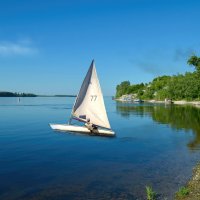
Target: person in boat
x,y
90,126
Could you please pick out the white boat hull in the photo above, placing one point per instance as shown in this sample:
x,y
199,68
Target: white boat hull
x,y
81,129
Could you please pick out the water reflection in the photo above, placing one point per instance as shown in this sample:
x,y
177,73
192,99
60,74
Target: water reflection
x,y
178,117
38,163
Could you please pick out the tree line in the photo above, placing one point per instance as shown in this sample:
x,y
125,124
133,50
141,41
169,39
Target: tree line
x,y
11,94
177,87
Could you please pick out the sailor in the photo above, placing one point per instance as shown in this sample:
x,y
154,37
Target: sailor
x,y
90,126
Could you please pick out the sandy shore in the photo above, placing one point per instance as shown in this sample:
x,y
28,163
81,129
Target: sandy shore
x,y
182,102
197,103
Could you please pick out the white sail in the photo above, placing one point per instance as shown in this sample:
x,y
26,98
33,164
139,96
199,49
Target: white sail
x,y
89,102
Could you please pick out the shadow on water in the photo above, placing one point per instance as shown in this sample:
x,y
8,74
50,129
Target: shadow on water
x,y
177,117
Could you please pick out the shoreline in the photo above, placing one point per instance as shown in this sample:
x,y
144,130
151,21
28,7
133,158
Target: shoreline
x,y
192,186
178,102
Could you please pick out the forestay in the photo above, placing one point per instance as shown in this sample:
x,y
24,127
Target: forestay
x,y
89,102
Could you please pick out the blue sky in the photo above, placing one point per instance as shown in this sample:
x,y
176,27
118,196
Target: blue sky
x,y
46,47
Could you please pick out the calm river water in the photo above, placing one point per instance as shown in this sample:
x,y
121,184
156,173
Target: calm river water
x,y
156,145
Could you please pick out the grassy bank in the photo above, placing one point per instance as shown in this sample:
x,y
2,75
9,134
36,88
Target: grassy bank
x,y
192,190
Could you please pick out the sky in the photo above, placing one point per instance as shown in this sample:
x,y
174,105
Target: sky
x,y
46,47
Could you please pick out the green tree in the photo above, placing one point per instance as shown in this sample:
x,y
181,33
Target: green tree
x,y
177,87
195,61
122,88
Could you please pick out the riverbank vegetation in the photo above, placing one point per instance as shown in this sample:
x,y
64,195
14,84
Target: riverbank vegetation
x,y
192,190
178,87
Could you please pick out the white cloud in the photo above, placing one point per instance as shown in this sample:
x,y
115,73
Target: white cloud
x,y
17,48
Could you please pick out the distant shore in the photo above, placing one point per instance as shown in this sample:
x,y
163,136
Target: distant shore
x,y
15,94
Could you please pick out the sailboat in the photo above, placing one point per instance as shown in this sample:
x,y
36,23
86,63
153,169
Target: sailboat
x,y
89,106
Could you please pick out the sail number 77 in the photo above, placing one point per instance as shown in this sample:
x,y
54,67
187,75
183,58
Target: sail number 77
x,y
93,97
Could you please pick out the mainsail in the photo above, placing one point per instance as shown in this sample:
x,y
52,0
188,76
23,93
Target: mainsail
x,y
89,103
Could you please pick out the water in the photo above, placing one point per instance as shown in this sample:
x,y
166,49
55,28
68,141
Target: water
x,y
156,145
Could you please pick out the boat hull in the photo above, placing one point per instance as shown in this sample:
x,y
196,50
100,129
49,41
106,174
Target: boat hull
x,y
81,129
